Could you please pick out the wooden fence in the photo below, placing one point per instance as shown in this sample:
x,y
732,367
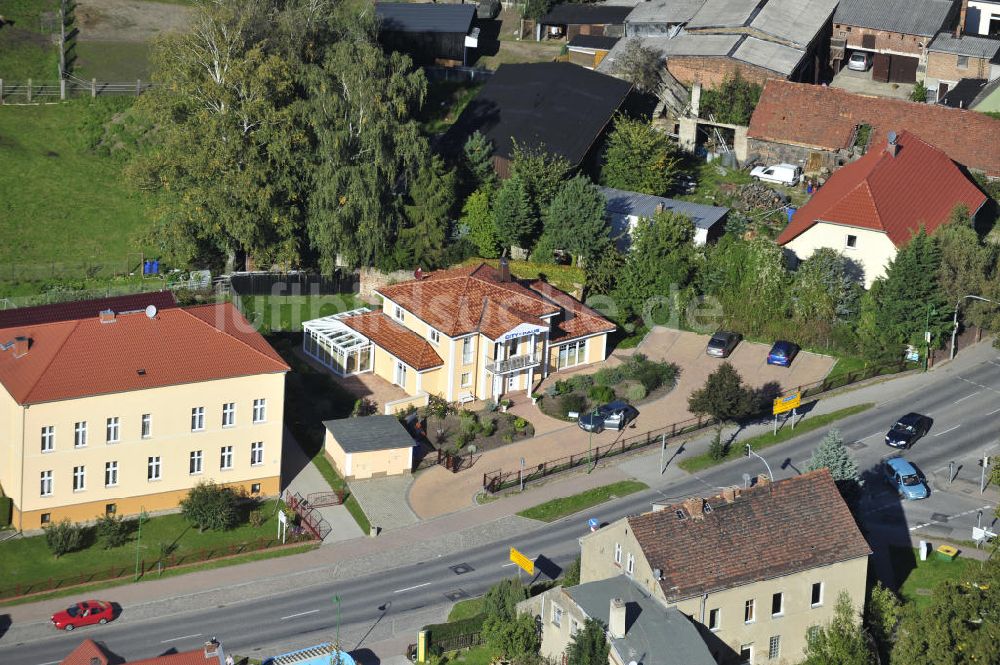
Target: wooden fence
x,y
34,92
145,566
498,480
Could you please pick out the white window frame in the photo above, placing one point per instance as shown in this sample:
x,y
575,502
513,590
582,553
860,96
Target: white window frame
x,y
154,468
781,604
226,458
79,478
197,419
45,483
714,619
821,586
434,336
229,414
579,354
195,463
962,62
111,473
749,611
774,647
749,648
259,410
557,614
618,553
630,564
847,241
256,453
48,438
146,429
574,627
466,350
465,380
112,430
397,313
80,434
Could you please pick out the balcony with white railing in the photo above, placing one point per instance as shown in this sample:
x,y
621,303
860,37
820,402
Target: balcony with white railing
x,y
513,364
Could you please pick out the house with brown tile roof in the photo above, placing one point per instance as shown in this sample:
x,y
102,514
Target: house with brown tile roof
x,y
118,405
872,207
89,652
754,568
464,334
819,126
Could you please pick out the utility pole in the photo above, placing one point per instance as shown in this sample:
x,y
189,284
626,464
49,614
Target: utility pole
x,y
982,480
336,599
927,335
590,441
954,322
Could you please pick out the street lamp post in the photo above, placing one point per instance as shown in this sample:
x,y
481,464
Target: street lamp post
x,y
590,440
954,330
927,335
336,645
750,451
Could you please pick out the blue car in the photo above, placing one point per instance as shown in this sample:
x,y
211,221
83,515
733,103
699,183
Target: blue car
x,y
901,475
782,353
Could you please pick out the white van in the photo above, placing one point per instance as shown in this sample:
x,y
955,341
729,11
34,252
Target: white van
x,y
783,174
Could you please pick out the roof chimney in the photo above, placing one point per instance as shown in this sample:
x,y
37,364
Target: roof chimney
x,y
616,620
659,207
504,270
107,316
695,507
213,649
729,494
21,346
763,479
893,146
961,19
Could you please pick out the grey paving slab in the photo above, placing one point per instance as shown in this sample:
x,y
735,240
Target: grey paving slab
x,y
342,524
384,501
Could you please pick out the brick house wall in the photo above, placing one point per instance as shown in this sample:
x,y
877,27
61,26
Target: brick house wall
x,y
885,41
711,71
945,67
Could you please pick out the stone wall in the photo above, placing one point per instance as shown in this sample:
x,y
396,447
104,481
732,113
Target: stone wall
x,y
710,72
944,67
370,280
811,159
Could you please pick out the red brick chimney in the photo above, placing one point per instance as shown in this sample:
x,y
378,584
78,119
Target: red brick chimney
x,y
730,494
21,346
695,507
763,479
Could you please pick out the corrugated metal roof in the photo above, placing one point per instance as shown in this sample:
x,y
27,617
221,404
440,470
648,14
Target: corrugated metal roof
x,y
796,21
425,17
971,45
664,11
636,204
724,14
777,58
908,17
697,44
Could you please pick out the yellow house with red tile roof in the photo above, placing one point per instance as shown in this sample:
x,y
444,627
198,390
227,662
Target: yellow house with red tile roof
x,y
465,334
124,404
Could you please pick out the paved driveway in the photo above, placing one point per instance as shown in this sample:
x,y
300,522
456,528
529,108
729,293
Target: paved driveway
x,y
862,84
438,492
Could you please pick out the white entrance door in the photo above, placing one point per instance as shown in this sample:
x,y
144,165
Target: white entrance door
x,y
400,374
512,382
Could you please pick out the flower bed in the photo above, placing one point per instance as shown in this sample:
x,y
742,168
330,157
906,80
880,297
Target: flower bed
x,y
456,431
636,380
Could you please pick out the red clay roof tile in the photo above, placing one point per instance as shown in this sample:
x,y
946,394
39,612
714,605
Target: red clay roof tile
x,y
86,653
821,117
75,358
919,186
767,531
398,340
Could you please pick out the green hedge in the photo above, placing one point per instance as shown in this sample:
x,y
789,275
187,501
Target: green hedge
x,y
6,507
444,631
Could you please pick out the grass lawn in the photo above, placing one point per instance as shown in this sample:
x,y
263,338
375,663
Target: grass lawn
x,y
704,461
27,561
464,609
286,313
567,505
445,102
564,278
917,579
116,62
84,219
474,656
26,50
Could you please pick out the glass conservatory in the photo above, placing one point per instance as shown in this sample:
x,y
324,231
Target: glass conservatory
x,y
332,343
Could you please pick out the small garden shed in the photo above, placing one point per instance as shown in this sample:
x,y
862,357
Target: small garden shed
x,y
369,447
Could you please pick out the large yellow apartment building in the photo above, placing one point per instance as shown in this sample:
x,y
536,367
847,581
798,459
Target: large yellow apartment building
x,y
465,334
124,404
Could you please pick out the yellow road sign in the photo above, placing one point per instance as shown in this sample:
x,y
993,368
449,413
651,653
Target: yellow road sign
x,y
787,402
526,564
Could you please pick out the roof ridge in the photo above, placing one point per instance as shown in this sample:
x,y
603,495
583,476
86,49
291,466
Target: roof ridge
x,y
230,307
52,359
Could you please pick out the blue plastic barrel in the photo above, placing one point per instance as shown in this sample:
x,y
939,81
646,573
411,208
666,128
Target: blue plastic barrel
x,y
791,212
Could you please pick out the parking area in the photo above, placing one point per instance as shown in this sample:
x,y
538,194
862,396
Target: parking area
x,y
862,84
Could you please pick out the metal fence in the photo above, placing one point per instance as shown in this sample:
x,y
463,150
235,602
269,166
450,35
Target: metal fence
x,y
293,283
309,517
32,91
498,480
456,642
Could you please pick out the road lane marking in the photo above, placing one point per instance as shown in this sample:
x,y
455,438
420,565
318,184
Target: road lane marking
x,y
950,429
300,614
410,588
51,662
993,411
962,399
951,517
183,637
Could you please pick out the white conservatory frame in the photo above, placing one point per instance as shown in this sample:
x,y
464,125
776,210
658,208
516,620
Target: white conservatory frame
x,y
330,342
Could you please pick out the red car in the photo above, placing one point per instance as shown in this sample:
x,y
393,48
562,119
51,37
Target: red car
x,y
84,614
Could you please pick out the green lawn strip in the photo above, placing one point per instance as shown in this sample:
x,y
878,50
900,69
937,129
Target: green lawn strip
x,y
112,61
464,609
354,508
556,508
91,228
27,561
808,424
287,313
26,49
260,555
922,577
481,655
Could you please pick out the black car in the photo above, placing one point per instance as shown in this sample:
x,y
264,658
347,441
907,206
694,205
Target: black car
x,y
722,344
615,415
907,430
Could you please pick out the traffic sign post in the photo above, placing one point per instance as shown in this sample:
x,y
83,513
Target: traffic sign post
x,y
522,562
784,404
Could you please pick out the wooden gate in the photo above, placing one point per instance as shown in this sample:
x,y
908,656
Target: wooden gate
x,y
880,67
903,69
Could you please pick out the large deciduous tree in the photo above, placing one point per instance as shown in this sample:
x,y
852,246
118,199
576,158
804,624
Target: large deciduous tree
x,y
477,219
841,642
723,397
749,280
576,219
589,646
639,158
660,262
826,293
640,65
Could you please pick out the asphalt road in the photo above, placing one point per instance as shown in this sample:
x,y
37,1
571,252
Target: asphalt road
x,y
377,605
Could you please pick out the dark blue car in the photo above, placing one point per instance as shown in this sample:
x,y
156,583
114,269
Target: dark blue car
x,y
782,353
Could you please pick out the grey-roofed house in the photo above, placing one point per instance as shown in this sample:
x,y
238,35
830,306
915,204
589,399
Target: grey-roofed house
x,y
896,33
588,50
625,209
951,59
428,32
369,447
570,19
658,17
639,628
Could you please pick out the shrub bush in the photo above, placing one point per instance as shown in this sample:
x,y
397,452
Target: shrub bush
x,y
6,509
581,382
113,530
211,506
635,392
520,424
469,423
602,394
563,387
610,376
64,537
488,427
572,402
439,407
257,519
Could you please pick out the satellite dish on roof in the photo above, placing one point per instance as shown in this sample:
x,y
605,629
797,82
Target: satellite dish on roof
x,y
892,137
151,311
